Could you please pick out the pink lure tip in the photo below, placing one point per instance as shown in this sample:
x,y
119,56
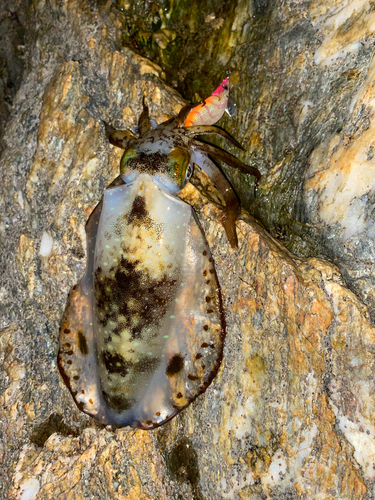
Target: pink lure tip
x,y
221,88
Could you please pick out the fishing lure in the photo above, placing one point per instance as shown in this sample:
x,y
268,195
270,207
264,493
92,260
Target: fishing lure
x,y
142,333
212,108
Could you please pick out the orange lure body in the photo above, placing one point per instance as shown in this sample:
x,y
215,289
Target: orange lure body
x,y
212,108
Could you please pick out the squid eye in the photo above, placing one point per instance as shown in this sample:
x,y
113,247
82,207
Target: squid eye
x,y
179,162
126,159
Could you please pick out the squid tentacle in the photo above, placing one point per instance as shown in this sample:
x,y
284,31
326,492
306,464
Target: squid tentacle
x,y
211,129
232,209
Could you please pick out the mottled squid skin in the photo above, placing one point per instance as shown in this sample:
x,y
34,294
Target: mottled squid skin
x,y
142,334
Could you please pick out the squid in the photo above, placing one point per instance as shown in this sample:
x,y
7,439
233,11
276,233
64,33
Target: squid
x,y
143,331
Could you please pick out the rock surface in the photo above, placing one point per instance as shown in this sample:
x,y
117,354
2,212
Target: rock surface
x,y
303,73
308,116
291,413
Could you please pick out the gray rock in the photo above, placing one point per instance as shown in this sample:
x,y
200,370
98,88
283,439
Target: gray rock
x,y
291,412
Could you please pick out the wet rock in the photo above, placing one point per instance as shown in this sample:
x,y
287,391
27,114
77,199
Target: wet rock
x,y
291,412
307,118
13,39
302,75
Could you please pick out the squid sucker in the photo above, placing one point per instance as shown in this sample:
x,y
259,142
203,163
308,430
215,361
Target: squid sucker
x,y
142,334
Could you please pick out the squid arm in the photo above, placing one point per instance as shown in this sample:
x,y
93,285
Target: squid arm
x,y
183,114
209,130
119,138
227,158
232,209
144,124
